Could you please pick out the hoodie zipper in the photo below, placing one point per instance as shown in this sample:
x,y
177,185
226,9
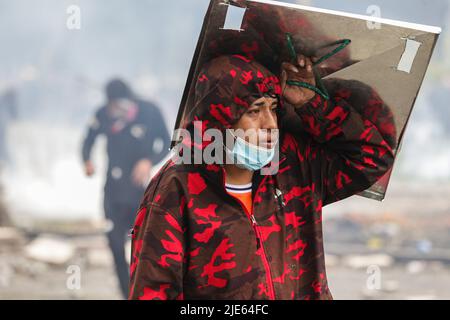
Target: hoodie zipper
x,y
254,225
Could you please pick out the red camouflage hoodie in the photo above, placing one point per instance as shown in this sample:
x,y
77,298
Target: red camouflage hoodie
x,y
193,240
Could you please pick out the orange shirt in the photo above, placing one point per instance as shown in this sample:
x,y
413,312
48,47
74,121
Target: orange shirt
x,y
242,193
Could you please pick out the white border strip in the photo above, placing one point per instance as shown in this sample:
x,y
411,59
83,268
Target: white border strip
x,y
397,23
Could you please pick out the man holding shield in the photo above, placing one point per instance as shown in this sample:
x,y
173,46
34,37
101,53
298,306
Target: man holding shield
x,y
239,229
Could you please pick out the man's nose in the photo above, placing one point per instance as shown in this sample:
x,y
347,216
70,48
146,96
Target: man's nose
x,y
270,121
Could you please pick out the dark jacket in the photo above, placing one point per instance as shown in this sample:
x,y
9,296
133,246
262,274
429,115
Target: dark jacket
x,y
193,240
125,148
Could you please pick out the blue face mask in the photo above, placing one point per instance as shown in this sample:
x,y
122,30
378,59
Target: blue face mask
x,y
248,156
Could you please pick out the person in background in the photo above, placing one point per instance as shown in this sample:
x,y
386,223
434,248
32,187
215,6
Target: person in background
x,y
137,139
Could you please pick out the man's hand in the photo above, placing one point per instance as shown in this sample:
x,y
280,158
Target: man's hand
x,y
141,172
89,168
302,72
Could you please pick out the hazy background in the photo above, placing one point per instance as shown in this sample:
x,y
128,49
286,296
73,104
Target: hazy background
x,y
57,76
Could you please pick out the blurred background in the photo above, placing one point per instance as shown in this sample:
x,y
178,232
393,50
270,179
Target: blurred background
x,y
52,79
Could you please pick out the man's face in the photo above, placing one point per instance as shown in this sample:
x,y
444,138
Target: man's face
x,y
118,107
259,123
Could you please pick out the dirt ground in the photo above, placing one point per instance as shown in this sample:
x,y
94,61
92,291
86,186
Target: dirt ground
x,y
399,251
22,277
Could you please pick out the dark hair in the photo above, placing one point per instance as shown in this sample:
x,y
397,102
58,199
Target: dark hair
x,y
117,89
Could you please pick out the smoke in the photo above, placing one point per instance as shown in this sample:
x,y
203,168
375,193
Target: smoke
x,y
59,75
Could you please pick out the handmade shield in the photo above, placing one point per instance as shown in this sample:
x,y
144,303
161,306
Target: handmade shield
x,y
391,57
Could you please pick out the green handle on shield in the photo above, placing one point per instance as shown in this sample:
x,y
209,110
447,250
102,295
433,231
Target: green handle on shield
x,y
321,90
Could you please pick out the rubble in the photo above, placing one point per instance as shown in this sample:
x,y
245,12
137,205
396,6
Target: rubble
x,y
50,249
416,267
99,258
365,261
410,252
11,237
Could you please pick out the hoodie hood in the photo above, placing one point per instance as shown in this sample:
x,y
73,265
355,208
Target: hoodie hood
x,y
227,86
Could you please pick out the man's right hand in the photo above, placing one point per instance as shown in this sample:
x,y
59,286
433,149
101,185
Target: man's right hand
x,y
89,168
302,72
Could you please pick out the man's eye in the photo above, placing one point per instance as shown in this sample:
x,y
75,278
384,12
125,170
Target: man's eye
x,y
274,108
254,111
